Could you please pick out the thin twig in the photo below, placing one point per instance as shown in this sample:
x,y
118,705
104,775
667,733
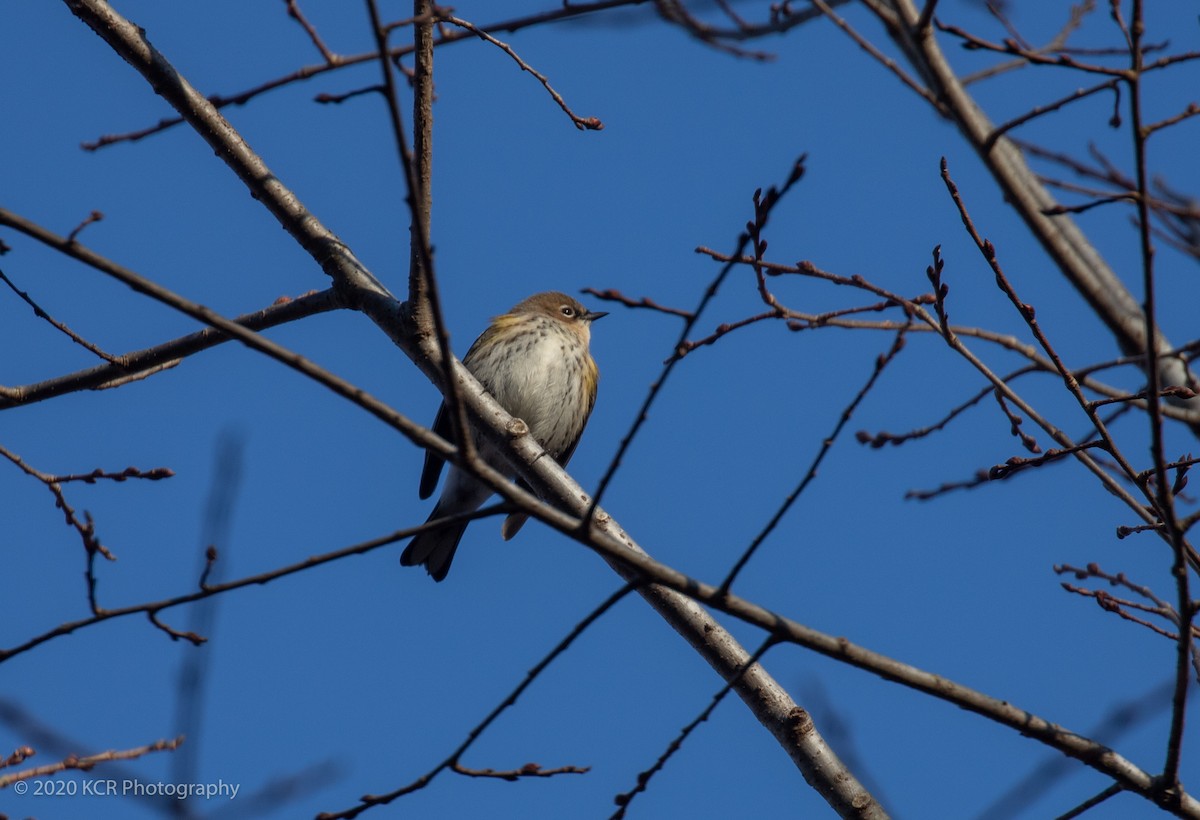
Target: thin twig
x,y
89,762
424,297
881,362
643,779
1091,803
564,12
613,295
972,42
762,211
86,528
453,760
988,251
676,11
1192,110
141,364
258,579
294,12
884,60
1037,111
41,314
582,123
513,775
1162,496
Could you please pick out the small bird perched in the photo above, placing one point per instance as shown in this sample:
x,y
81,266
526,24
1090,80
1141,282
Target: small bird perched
x,y
535,362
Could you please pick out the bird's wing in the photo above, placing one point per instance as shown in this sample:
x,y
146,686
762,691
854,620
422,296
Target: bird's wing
x,y
433,462
569,450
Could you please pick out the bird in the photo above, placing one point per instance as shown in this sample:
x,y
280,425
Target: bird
x,y
535,361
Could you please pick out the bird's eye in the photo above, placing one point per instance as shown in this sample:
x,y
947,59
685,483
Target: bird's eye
x,y
568,311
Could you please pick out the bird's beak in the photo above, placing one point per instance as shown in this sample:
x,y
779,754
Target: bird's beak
x,y
593,315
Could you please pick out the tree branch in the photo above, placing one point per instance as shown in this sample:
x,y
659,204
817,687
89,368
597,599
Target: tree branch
x,y
766,698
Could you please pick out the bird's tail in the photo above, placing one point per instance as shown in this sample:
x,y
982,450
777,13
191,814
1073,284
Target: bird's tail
x,y
435,548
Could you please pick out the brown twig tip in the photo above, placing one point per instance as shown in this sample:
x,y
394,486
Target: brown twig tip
x,y
210,561
326,98
1126,531
614,295
1018,463
940,290
878,439
798,170
19,755
176,634
94,216
156,474
1181,477
1015,422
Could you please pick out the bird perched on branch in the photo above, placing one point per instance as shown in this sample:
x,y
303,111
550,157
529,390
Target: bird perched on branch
x,y
535,362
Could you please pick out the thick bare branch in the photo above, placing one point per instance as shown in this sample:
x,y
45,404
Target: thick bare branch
x,y
767,699
1066,245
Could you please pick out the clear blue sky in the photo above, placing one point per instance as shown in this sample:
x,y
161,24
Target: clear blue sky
x,y
361,675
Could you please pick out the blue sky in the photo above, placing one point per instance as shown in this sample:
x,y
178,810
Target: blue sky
x,y
361,675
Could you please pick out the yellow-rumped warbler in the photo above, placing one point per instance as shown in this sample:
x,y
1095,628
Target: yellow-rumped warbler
x,y
534,360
